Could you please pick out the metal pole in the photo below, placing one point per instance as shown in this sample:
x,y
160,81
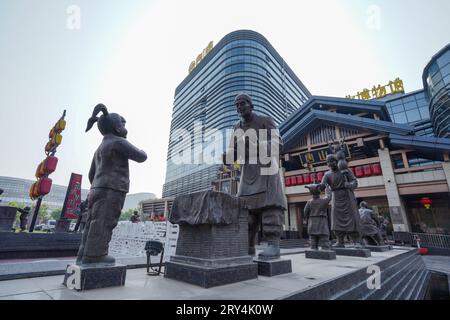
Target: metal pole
x,y
35,214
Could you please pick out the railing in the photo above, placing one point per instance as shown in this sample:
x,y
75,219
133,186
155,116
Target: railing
x,y
426,239
433,240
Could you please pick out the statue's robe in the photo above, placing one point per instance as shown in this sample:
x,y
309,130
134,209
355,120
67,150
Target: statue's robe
x,y
344,208
258,191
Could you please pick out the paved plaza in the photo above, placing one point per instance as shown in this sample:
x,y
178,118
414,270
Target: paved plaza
x,y
306,274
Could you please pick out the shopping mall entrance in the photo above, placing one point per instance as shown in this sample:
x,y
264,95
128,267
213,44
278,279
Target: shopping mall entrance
x,y
429,213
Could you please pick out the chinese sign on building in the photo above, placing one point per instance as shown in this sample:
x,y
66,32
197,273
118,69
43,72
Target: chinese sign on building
x,y
380,91
318,156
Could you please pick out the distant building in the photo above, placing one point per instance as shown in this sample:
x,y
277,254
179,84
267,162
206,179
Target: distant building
x,y
156,207
17,190
132,201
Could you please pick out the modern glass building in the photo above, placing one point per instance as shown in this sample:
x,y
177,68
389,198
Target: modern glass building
x,y
242,61
436,81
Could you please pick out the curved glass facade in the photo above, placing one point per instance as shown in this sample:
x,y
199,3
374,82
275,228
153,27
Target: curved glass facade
x,y
242,61
436,78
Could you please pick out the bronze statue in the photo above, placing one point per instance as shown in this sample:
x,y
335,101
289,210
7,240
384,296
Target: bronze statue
x,y
260,190
344,208
109,177
82,211
316,215
370,225
24,213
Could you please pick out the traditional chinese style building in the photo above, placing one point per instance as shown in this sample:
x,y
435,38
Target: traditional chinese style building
x,y
397,147
396,168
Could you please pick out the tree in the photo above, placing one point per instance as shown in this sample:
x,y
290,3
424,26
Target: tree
x,y
56,214
17,205
44,215
126,215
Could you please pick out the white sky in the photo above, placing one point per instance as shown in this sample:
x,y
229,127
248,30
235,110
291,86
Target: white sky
x,y
131,57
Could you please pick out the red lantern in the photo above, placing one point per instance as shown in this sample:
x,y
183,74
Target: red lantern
x,y
367,170
288,182
306,179
299,180
426,202
376,169
359,172
313,177
320,176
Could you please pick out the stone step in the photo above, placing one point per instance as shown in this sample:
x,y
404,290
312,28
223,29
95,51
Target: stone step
x,y
403,282
409,286
360,290
419,291
391,278
294,243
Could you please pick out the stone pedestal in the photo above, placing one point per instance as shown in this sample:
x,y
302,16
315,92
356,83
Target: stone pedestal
x,y
271,268
7,218
95,276
320,254
211,273
212,247
352,252
379,248
62,225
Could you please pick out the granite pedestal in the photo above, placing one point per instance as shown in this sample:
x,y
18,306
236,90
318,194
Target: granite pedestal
x,y
212,247
95,276
379,248
272,268
320,254
352,252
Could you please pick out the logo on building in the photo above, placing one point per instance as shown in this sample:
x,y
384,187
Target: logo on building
x,y
200,57
380,91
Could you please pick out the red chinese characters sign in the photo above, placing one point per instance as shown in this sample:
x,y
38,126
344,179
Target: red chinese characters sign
x,y
73,197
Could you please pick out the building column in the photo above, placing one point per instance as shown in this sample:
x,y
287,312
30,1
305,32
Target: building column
x,y
397,208
446,167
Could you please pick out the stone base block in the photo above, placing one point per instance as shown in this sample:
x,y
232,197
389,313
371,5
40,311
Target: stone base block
x,y
87,277
207,277
321,254
352,252
379,248
271,268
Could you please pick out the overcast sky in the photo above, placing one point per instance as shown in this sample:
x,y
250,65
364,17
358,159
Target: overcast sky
x,y
130,55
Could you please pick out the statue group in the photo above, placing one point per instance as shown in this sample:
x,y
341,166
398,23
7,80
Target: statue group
x,y
361,225
260,192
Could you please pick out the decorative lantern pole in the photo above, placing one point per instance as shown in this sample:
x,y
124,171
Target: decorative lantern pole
x,y
44,184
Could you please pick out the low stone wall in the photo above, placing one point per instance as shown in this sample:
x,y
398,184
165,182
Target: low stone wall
x,y
128,239
38,245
